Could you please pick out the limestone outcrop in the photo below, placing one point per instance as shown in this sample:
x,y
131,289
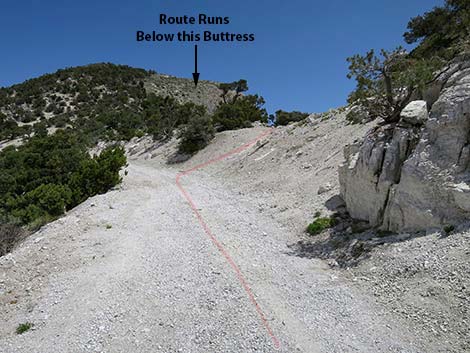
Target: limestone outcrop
x,y
415,174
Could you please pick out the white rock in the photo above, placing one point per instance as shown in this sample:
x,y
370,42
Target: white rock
x,y
407,178
415,113
324,188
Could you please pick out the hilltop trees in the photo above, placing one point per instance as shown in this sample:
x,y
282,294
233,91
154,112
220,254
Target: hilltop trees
x,y
110,102
440,32
240,113
284,118
238,87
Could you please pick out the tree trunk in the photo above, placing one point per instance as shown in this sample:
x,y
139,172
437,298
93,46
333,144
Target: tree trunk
x,y
395,116
388,88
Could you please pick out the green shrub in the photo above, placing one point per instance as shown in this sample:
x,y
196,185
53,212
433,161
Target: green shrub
x,y
284,118
240,113
22,328
448,228
97,175
164,114
47,175
320,224
45,200
196,134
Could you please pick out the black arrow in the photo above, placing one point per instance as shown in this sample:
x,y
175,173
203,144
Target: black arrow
x,y
195,73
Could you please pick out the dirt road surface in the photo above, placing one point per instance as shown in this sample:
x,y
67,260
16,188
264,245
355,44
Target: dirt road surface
x,y
134,271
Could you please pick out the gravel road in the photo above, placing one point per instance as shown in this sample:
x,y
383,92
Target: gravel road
x,y
133,271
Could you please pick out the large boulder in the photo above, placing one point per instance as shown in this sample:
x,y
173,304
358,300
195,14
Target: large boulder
x,y
411,176
415,113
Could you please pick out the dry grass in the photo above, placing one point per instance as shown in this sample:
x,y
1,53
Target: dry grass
x,y
10,235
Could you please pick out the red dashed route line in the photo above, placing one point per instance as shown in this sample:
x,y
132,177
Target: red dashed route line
x,y
214,239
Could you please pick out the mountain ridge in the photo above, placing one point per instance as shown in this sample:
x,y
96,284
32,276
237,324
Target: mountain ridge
x,y
67,95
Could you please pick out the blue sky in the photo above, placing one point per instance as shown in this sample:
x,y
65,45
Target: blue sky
x,y
297,61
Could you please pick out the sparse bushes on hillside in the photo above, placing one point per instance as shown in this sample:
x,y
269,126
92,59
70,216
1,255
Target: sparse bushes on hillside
x,y
109,102
122,84
101,101
8,128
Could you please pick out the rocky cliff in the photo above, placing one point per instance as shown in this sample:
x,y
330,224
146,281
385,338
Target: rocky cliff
x,y
415,174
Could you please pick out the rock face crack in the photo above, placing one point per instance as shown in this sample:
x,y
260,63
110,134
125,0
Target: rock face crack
x,y
367,179
405,176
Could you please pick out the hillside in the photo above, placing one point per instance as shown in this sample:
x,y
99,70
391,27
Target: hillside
x,y
207,93
257,202
93,99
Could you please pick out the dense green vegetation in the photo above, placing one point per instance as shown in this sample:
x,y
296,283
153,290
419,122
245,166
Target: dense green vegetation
x,y
320,224
196,134
44,177
387,82
240,113
161,116
443,32
237,110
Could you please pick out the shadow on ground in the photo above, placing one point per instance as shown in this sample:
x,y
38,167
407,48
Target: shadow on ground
x,y
349,242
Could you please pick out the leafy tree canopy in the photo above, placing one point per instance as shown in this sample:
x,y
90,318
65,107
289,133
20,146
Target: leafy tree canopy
x,y
441,31
284,118
240,113
47,175
386,82
238,87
